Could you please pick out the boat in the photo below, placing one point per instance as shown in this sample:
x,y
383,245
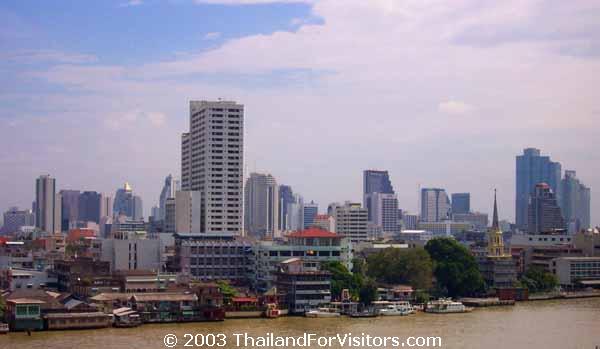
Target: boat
x,y
3,328
272,312
397,309
126,318
363,314
322,312
446,306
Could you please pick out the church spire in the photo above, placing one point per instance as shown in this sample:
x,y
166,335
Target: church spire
x,y
495,224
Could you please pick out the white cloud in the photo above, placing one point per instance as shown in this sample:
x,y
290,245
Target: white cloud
x,y
384,72
131,3
455,107
212,36
124,120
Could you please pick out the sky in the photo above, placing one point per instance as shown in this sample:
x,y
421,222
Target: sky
x,y
439,93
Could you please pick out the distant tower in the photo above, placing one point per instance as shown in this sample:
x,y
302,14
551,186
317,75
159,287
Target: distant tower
x,y
47,205
533,168
544,214
261,201
495,240
435,205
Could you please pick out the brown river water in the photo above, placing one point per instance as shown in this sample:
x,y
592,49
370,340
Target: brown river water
x,y
558,324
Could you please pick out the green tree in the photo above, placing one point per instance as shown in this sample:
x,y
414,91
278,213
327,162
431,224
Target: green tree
x,y
455,269
368,292
539,280
2,306
342,278
396,266
227,291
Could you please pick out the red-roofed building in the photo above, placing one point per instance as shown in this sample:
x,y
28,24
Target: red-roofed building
x,y
312,245
80,233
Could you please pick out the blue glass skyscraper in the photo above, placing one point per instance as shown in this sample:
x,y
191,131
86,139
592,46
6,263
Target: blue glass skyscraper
x,y
375,181
532,168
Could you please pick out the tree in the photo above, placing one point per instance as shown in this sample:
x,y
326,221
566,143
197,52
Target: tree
x,y
227,291
396,266
539,280
342,278
455,269
368,292
2,306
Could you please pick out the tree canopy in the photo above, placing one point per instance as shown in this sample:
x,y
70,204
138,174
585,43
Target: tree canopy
x,y
227,291
455,269
539,280
396,266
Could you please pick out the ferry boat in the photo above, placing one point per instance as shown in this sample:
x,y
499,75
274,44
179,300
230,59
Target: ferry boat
x,y
272,312
397,309
323,312
446,306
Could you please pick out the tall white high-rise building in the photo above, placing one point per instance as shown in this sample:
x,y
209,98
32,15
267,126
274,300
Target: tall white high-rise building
x,y
351,220
261,206
212,162
47,204
435,205
384,211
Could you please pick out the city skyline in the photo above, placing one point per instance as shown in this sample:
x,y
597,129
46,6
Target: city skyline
x,y
85,112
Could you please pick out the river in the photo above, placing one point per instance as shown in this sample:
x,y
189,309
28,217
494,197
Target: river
x,y
557,324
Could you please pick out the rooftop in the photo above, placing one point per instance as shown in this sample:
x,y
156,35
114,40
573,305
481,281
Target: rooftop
x,y
314,233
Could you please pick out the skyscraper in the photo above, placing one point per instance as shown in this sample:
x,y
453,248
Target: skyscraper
x,y
127,204
375,181
69,207
48,205
212,162
461,203
169,189
435,205
309,212
295,220
532,168
261,205
286,197
14,219
90,205
575,204
544,214
351,221
384,212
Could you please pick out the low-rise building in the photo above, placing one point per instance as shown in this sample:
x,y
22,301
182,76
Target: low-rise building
x,y
302,285
214,256
24,314
16,278
414,235
445,228
588,241
577,271
325,222
313,244
477,219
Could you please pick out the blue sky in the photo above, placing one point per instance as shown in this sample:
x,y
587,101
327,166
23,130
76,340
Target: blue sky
x,y
440,93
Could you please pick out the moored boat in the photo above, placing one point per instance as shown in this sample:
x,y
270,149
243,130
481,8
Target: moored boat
x,y
397,309
322,312
272,311
446,306
3,328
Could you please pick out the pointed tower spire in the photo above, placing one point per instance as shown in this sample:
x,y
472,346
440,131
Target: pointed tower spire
x,y
495,224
